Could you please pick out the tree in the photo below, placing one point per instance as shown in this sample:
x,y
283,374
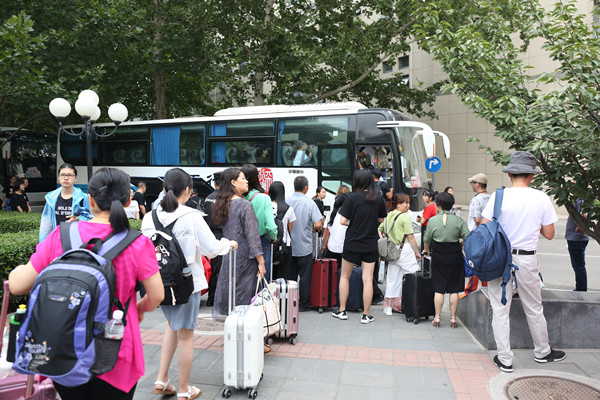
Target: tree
x,y
553,114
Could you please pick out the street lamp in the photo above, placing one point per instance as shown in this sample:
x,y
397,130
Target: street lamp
x,y
87,107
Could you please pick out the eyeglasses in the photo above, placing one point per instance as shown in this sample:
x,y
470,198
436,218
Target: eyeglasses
x,y
70,176
472,182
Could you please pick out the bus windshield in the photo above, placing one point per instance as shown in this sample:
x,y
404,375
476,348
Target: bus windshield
x,y
412,156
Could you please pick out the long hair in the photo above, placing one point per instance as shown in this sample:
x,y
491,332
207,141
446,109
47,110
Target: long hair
x,y
363,180
399,199
220,209
337,204
109,187
175,182
343,189
277,193
251,173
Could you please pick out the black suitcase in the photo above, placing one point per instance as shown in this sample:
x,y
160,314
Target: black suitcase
x,y
417,293
355,294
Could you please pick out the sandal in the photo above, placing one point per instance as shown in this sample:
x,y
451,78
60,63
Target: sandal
x,y
436,322
165,390
192,393
453,323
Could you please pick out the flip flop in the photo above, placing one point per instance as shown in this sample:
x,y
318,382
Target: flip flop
x,y
165,390
188,395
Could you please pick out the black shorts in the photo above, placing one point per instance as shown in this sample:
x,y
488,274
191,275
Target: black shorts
x,y
357,258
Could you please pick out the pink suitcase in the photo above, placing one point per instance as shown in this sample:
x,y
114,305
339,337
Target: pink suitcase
x,y
289,307
22,387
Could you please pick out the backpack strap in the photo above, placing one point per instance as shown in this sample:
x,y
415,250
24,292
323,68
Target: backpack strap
x,y
498,202
250,200
157,225
385,230
116,243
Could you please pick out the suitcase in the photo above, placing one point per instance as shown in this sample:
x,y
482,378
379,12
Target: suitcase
x,y
324,284
22,387
243,347
417,293
355,293
289,307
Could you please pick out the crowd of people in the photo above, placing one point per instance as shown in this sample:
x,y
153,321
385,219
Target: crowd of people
x,y
240,216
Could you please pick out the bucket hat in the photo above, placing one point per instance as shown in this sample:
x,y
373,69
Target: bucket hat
x,y
521,162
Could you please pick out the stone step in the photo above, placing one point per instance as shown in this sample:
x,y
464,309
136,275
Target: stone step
x,y
572,319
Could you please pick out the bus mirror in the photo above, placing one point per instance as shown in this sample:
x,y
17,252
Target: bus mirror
x,y
6,151
445,142
428,141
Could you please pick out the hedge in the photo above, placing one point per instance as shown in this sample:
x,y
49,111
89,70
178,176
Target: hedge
x,y
15,249
11,221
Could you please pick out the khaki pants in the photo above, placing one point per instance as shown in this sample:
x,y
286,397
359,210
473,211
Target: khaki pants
x,y
530,294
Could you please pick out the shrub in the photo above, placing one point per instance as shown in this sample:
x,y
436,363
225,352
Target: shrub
x,y
15,249
11,221
135,224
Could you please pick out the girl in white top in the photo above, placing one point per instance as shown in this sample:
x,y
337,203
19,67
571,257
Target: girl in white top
x,y
196,239
133,209
335,232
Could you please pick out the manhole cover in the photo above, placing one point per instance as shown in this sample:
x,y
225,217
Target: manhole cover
x,y
206,325
549,388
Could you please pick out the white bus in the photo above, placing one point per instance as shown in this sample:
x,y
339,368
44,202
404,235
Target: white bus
x,y
323,142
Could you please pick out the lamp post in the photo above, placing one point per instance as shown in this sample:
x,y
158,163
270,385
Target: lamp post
x,y
87,107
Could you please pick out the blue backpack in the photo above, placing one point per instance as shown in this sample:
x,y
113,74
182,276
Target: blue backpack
x,y
488,250
71,300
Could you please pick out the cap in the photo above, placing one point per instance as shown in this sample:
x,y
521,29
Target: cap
x,y
478,178
117,314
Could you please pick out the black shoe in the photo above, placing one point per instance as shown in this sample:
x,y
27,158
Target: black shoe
x,y
505,368
366,319
554,355
340,315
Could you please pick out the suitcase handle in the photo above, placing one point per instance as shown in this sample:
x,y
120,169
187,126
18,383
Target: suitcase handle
x,y
232,279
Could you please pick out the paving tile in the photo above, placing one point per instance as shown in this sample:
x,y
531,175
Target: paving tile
x,y
367,374
299,389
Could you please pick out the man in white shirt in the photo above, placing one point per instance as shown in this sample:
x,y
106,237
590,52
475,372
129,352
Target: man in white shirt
x,y
525,213
478,202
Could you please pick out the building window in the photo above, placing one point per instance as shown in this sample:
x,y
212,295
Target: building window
x,y
403,62
387,67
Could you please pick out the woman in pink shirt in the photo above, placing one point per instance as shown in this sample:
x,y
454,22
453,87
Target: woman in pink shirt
x,y
109,193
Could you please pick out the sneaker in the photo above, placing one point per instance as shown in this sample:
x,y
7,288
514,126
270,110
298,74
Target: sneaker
x,y
387,311
505,368
554,355
366,319
340,314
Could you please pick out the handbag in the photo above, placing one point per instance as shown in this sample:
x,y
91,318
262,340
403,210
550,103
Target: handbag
x,y
270,306
387,249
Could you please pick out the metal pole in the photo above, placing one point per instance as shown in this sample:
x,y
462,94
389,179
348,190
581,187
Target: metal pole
x,y
88,137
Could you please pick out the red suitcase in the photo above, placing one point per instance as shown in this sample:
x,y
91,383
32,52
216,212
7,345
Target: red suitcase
x,y
22,387
324,284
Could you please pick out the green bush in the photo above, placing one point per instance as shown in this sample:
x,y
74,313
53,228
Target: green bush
x,y
11,221
135,224
15,249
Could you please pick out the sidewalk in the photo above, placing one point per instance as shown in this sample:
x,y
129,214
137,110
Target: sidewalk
x,y
387,359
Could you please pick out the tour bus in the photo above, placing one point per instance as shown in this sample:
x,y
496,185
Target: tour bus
x,y
324,142
32,155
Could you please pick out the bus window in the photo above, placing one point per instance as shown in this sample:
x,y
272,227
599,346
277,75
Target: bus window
x,y
191,145
241,152
243,128
165,145
301,139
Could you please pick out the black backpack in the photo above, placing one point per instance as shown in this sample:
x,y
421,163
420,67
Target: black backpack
x,y
279,246
71,300
176,275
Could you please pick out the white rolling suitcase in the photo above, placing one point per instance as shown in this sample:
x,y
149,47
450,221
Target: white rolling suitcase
x,y
243,352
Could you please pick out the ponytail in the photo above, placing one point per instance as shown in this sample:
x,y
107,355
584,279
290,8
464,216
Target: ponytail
x,y
175,183
110,189
169,202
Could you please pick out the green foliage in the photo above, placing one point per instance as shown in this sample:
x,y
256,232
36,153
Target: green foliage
x,y
554,114
15,250
135,224
11,222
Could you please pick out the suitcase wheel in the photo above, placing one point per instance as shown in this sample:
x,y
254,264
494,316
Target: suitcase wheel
x,y
269,340
427,318
226,393
320,310
407,319
252,393
293,340
416,321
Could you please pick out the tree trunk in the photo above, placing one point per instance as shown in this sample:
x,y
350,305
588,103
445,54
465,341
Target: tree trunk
x,y
160,96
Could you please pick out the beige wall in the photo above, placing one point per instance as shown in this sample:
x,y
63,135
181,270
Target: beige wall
x,y
456,121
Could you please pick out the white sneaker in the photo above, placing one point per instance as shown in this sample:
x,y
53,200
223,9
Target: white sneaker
x,y
387,311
